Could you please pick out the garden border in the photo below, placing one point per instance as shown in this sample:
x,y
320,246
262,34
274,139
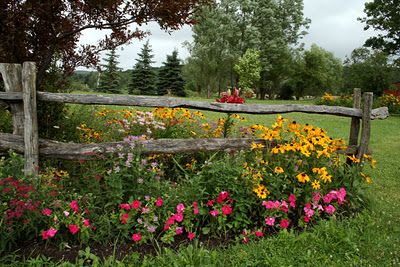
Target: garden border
x,y
20,86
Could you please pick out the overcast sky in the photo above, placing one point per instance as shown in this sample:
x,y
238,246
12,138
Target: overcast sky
x,y
334,26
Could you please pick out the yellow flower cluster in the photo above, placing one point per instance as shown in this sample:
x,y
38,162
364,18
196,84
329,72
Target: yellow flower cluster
x,y
327,97
88,134
179,114
261,191
323,174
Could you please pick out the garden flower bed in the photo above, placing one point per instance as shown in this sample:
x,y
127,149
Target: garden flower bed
x,y
141,203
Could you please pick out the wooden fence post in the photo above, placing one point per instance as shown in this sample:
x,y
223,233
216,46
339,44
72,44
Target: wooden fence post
x,y
355,122
366,124
31,135
12,77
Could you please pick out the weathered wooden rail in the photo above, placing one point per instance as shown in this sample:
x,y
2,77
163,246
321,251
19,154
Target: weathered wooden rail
x,y
21,96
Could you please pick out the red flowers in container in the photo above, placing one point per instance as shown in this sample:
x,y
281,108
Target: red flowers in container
x,y
227,97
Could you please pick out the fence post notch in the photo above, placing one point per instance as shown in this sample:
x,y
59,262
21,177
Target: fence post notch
x,y
31,135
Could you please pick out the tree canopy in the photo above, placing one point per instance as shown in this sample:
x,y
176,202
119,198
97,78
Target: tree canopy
x,y
383,16
38,30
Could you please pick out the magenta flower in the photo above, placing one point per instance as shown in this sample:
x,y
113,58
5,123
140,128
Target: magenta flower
x,y
222,196
86,222
306,219
179,230
159,202
272,205
270,221
49,233
214,213
330,209
47,212
195,208
341,195
180,208
307,209
74,205
125,206
136,237
292,200
124,217
317,197
210,203
73,228
259,234
284,206
191,235
136,204
178,217
226,210
328,198
284,223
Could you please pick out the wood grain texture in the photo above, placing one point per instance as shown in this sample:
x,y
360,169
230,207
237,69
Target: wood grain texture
x,y
355,122
366,125
170,102
31,134
73,151
12,78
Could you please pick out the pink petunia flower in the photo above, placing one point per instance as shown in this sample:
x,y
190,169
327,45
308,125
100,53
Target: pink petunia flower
x,y
66,213
180,208
210,203
292,200
316,197
86,222
307,209
226,210
136,204
191,235
330,209
284,223
178,217
341,195
214,213
73,228
74,205
259,234
49,233
136,237
47,212
125,206
270,221
195,208
159,202
306,219
222,196
284,206
179,230
328,198
124,217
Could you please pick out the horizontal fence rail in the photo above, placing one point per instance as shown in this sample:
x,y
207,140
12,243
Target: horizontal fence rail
x,y
74,151
171,102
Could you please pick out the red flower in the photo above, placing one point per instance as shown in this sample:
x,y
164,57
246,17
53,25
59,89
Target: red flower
x,y
136,204
284,223
259,234
195,208
191,235
223,196
86,222
124,217
47,212
49,233
226,210
179,217
74,205
125,206
136,237
159,202
210,203
73,228
306,219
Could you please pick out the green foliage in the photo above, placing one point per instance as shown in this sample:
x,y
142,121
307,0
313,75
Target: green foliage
x,y
368,70
109,76
170,79
143,76
383,16
248,68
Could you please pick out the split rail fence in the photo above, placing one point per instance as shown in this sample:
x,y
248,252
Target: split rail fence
x,y
21,96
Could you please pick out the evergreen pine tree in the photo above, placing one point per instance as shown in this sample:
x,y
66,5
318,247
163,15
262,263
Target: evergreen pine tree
x,y
143,76
170,79
109,77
